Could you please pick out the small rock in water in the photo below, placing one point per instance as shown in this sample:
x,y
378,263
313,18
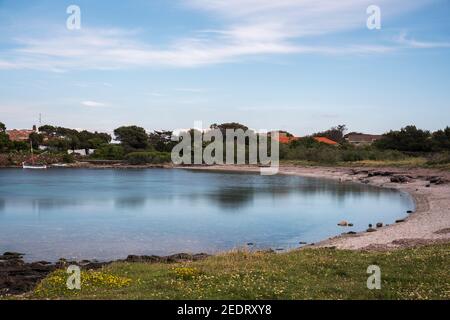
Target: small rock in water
x,y
409,211
302,242
371,230
370,225
279,249
399,220
379,224
351,232
343,223
250,243
350,224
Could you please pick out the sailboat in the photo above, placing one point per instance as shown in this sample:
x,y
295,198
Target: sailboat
x,y
32,164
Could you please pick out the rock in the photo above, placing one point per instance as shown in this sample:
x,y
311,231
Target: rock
x,y
350,224
409,211
370,225
399,179
371,230
399,220
436,180
343,223
250,243
379,224
427,185
302,242
351,232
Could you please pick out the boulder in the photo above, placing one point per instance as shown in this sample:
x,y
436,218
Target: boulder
x,y
399,179
343,223
371,230
379,224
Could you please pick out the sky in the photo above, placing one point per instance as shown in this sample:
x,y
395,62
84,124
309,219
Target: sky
x,y
296,65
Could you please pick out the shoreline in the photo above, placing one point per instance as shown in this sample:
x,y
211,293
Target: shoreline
x,y
428,224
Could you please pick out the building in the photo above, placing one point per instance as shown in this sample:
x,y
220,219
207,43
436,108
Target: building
x,y
19,135
361,139
285,138
81,152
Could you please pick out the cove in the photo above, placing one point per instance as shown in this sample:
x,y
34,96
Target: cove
x,y
107,214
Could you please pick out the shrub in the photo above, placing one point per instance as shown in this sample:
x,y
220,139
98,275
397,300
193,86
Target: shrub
x,y
68,158
153,157
109,152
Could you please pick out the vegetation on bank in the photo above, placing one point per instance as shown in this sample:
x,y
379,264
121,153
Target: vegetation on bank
x,y
408,146
419,273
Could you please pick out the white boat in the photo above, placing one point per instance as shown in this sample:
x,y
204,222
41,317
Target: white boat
x,y
32,164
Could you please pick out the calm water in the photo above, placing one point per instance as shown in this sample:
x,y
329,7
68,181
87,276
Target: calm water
x,y
108,214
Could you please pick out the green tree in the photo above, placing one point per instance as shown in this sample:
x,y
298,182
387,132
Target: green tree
x,y
441,140
408,138
132,137
2,127
36,139
162,141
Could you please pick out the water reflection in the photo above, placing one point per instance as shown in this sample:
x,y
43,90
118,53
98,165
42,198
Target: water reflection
x,y
112,213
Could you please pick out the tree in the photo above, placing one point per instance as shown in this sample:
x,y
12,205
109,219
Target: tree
x,y
441,140
162,140
408,138
5,143
36,139
334,133
132,137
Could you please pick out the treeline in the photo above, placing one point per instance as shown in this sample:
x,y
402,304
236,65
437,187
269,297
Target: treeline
x,y
136,146
408,142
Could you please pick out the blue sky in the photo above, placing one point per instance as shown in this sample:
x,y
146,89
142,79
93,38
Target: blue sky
x,y
297,65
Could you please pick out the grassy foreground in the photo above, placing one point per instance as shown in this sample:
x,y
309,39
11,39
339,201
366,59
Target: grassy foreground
x,y
420,273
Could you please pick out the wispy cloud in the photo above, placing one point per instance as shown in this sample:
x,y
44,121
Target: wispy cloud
x,y
94,104
249,28
404,40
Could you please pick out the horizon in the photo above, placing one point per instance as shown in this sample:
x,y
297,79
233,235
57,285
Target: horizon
x,y
294,65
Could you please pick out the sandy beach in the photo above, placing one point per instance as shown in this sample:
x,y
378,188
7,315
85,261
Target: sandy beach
x,y
429,223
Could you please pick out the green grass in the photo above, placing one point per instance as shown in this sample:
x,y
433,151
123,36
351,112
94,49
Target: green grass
x,y
420,273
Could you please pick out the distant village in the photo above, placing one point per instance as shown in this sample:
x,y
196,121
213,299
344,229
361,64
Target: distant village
x,y
23,135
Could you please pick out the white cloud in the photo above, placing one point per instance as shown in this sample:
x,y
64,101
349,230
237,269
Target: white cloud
x,y
250,28
403,39
94,104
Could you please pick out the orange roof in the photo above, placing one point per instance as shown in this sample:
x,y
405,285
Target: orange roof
x,y
325,140
283,138
19,135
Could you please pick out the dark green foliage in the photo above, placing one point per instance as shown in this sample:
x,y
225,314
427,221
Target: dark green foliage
x,y
407,139
68,158
161,141
441,140
152,157
109,152
132,137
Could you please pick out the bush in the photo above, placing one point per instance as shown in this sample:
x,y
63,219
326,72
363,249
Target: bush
x,y
439,159
68,158
153,157
109,152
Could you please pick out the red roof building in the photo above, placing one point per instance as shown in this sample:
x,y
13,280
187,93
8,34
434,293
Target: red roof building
x,y
19,135
285,139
